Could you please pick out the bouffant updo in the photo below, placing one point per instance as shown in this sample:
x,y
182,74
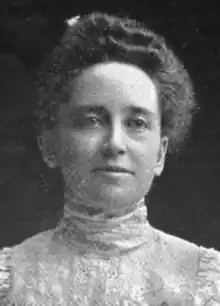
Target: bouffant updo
x,y
100,37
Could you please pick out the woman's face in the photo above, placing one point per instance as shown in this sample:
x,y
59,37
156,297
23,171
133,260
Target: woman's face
x,y
111,120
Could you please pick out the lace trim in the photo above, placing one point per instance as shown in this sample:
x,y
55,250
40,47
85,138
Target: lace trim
x,y
5,284
208,278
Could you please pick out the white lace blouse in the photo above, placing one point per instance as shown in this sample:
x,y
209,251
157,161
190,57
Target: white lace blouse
x,y
126,263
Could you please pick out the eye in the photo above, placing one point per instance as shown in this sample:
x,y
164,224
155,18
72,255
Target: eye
x,y
87,121
91,120
138,124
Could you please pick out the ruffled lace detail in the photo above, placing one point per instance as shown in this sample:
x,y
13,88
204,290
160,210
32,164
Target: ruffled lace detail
x,y
5,275
208,278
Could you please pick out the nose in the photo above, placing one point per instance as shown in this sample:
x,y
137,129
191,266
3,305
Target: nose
x,y
114,143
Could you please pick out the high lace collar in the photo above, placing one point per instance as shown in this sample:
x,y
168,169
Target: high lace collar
x,y
98,235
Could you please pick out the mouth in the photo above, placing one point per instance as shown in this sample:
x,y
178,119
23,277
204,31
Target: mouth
x,y
114,170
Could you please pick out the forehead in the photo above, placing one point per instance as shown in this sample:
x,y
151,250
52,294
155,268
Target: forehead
x,y
114,85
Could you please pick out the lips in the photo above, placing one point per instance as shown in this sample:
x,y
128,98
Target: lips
x,y
116,169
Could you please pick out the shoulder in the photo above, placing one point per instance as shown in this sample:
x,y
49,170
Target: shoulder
x,y
200,267
176,244
5,274
182,253
208,277
34,244
15,261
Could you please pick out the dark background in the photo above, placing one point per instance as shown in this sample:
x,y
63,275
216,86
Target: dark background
x,y
185,200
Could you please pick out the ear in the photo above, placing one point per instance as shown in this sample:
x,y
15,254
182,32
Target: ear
x,y
161,156
47,145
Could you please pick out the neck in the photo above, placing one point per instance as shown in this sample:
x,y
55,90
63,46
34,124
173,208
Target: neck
x,y
103,233
100,211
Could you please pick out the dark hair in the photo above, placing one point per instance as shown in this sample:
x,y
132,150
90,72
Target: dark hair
x,y
100,37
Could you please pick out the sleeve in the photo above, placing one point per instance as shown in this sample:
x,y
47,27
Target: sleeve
x,y
208,278
5,275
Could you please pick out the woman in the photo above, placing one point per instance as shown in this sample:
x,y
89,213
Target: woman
x,y
116,100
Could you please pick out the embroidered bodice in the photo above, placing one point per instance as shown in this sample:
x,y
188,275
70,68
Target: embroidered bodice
x,y
88,262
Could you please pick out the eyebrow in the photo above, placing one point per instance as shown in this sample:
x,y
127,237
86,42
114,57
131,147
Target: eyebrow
x,y
89,108
137,110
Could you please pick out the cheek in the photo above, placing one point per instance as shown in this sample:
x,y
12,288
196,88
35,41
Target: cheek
x,y
76,149
146,155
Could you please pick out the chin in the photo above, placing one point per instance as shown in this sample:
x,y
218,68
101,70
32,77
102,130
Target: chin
x,y
114,196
